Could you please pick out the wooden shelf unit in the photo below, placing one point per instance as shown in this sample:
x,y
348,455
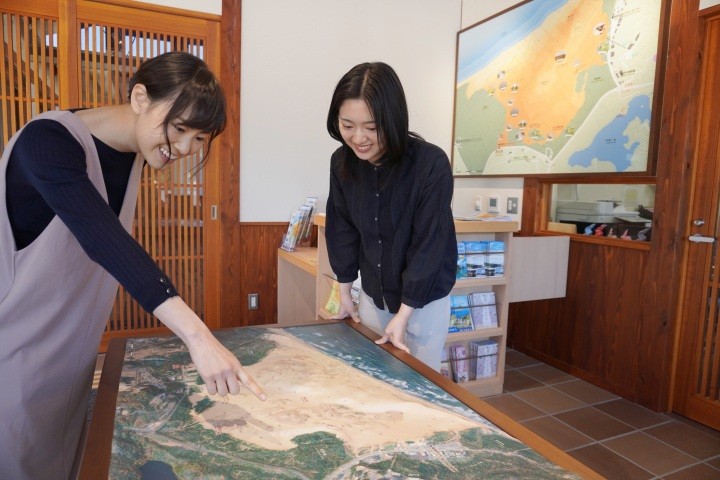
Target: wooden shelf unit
x,y
297,275
305,280
302,257
467,231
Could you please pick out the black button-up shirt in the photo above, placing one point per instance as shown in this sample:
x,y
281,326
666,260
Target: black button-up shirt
x,y
395,226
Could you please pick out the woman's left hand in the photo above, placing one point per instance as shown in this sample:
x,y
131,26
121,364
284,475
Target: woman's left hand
x,y
395,330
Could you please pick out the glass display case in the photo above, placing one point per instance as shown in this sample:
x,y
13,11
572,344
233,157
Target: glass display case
x,y
618,211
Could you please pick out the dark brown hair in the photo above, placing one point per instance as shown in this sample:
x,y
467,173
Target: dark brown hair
x,y
186,81
379,87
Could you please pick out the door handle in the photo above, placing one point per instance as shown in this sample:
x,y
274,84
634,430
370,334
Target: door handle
x,y
697,238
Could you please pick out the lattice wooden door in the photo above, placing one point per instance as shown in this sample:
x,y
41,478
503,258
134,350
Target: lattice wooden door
x,y
28,69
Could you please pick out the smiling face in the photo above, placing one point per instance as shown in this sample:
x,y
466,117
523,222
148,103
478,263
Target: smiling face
x,y
160,150
161,146
359,131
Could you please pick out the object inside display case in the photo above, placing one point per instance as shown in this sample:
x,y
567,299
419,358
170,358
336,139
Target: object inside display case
x,y
622,211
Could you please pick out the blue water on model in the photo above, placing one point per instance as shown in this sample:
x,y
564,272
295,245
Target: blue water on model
x,y
157,470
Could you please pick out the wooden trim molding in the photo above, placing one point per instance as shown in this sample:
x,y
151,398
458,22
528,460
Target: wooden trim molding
x,y
661,289
157,8
229,181
710,11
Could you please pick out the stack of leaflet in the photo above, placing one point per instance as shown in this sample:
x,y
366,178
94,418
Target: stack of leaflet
x,y
483,359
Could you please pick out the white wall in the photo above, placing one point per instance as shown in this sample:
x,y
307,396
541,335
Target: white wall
x,y
708,3
293,54
290,69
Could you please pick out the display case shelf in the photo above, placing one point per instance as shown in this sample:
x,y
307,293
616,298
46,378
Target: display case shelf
x,y
480,282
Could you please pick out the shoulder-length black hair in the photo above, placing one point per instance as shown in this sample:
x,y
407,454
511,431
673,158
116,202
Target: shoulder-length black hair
x,y
196,97
378,85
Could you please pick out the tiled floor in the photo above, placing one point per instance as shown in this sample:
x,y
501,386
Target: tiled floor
x,y
613,436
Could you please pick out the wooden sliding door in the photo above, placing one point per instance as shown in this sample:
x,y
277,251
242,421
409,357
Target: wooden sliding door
x,y
77,53
28,67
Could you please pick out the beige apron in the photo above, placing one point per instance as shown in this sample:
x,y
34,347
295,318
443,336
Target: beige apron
x,y
54,305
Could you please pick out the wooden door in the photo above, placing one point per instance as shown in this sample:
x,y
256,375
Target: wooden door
x,y
28,67
697,375
82,54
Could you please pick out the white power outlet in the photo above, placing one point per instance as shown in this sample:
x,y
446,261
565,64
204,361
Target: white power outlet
x,y
253,300
478,203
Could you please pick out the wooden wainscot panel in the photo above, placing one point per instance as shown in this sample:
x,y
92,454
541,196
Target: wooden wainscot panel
x,y
593,331
258,243
258,272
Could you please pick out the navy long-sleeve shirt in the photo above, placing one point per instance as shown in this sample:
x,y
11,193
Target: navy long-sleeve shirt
x,y
395,227
47,176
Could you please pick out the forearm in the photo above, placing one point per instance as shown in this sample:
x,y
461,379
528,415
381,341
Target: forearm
x,y
178,317
405,312
346,290
347,307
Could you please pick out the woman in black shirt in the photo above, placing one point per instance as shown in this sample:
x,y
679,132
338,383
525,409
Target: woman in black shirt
x,y
389,215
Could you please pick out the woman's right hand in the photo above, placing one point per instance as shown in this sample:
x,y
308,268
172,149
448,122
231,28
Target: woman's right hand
x,y
347,306
219,368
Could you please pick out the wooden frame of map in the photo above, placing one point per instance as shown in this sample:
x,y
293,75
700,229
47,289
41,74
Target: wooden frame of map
x,y
557,87
339,406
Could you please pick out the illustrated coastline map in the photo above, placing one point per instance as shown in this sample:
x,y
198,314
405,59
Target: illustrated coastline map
x,y
338,407
557,86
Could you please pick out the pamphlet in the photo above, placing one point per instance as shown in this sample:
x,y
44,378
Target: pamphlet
x,y
460,316
460,363
483,359
483,309
333,302
293,231
445,368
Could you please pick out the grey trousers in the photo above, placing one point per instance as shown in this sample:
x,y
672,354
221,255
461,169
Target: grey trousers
x,y
426,330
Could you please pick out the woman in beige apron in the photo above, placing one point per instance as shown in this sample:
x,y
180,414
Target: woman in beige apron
x,y
55,300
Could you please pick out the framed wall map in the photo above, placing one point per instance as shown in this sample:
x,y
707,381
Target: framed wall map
x,y
556,87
